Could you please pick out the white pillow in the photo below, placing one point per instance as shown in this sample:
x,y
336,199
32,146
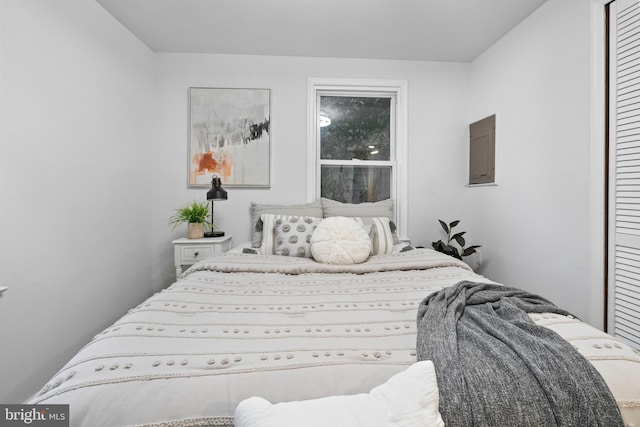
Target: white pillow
x,y
408,399
340,240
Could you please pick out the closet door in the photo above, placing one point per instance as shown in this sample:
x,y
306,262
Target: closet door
x,y
624,176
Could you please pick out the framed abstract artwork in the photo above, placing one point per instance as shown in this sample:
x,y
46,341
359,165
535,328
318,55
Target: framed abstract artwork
x,y
229,136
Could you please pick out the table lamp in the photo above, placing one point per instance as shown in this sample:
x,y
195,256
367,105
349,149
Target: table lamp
x,y
216,193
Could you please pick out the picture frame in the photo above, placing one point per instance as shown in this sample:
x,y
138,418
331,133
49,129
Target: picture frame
x,y
229,137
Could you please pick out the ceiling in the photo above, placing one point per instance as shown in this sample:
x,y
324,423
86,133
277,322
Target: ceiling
x,y
431,30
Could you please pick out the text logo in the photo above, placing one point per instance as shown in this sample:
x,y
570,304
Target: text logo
x,y
34,415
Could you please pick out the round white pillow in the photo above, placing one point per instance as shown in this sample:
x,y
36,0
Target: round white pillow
x,y
340,240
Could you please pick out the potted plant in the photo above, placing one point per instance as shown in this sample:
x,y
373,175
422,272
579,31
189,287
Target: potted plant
x,y
448,248
196,215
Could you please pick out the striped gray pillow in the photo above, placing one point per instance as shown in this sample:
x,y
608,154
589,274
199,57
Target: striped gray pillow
x,y
380,234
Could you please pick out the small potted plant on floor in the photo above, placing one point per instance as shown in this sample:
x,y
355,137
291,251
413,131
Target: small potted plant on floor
x,y
196,215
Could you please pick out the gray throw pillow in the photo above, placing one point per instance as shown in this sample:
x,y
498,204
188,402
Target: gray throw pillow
x,y
313,209
334,208
288,235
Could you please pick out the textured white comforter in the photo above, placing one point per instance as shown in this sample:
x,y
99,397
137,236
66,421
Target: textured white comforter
x,y
281,328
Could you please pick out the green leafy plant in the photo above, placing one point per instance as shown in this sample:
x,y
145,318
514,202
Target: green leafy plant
x,y
193,212
448,248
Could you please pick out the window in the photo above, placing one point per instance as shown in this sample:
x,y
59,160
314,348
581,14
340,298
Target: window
x,y
356,139
482,151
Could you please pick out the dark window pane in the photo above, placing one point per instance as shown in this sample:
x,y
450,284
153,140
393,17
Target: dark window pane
x,y
359,128
355,184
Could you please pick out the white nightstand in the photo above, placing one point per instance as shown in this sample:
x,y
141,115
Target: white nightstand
x,y
190,251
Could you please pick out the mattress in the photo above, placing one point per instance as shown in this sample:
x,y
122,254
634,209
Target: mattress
x,y
282,328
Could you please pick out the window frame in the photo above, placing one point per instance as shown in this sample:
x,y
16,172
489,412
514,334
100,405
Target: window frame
x,y
398,154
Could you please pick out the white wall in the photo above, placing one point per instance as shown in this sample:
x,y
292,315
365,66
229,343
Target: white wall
x,y
76,93
534,226
437,131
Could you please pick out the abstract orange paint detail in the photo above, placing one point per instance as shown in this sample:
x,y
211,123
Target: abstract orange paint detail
x,y
205,162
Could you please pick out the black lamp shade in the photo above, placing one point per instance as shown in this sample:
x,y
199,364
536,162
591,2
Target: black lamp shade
x,y
216,192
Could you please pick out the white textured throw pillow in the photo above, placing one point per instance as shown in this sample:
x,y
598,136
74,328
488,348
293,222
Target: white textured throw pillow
x,y
340,240
408,399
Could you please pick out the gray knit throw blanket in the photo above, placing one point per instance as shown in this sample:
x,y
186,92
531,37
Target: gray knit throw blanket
x,y
496,367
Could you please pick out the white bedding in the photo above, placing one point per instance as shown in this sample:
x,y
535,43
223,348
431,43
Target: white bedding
x,y
281,328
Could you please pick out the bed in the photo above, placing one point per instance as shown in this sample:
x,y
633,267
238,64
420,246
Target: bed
x,y
284,328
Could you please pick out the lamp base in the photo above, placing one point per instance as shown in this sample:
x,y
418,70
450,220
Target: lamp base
x,y
214,234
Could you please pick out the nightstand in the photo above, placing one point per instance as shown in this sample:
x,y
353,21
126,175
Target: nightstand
x,y
190,251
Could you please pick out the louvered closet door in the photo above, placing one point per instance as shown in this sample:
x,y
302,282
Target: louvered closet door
x,y
624,179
